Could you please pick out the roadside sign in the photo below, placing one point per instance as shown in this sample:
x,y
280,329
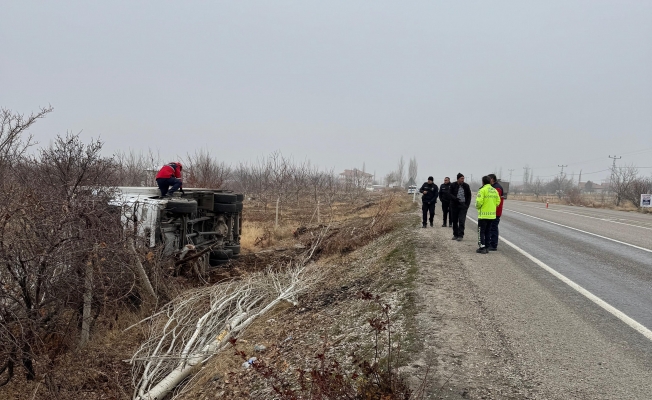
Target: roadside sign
x,y
646,200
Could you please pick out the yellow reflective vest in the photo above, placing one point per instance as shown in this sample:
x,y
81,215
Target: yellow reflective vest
x,y
487,201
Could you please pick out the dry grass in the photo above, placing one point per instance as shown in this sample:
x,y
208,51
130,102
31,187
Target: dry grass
x,y
259,231
260,235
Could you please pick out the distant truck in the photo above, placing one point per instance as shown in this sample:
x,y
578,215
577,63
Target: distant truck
x,y
204,222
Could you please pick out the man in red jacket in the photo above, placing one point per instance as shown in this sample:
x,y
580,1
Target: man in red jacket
x,y
169,175
493,235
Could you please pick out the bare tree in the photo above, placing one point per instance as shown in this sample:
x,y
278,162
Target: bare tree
x,y
61,253
204,171
13,142
391,178
137,169
636,189
412,169
623,179
537,187
400,172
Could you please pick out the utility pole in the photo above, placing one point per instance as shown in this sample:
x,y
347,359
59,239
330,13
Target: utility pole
x,y
579,181
561,180
510,175
613,170
561,173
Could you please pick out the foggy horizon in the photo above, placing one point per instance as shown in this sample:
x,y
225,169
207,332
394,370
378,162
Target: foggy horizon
x,y
464,87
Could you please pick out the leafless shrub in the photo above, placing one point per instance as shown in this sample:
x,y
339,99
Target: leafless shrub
x,y
622,181
638,187
204,171
13,126
136,169
62,254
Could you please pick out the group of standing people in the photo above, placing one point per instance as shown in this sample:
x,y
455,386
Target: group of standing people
x,y
455,200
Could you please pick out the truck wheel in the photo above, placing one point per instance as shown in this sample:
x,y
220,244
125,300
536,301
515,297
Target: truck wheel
x,y
221,254
181,206
239,206
225,198
234,248
240,197
225,208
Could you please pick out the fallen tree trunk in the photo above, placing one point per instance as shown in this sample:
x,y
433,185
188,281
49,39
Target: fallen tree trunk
x,y
179,347
198,324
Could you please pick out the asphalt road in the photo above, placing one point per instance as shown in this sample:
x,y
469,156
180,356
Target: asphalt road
x,y
571,332
608,253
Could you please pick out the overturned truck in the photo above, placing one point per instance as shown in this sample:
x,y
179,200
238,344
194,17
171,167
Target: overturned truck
x,y
202,225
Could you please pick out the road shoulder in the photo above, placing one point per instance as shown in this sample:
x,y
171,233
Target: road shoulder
x,y
496,326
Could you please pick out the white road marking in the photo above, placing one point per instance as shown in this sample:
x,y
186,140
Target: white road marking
x,y
588,216
595,299
579,230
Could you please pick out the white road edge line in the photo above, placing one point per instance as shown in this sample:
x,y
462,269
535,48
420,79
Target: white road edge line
x,y
579,230
587,216
598,301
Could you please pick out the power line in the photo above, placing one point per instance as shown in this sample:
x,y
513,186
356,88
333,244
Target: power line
x,y
598,159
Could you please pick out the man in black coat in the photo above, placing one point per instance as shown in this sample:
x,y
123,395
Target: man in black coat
x,y
460,196
445,197
429,199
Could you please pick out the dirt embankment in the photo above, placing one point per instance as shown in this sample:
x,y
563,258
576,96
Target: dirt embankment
x,y
331,320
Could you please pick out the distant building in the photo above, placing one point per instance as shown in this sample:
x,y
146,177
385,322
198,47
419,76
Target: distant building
x,y
356,177
592,187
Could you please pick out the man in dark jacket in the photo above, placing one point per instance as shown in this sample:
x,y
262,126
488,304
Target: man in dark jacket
x,y
493,230
429,199
460,196
444,196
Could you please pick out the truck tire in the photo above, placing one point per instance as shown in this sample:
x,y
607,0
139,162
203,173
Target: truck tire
x,y
181,206
221,254
239,207
239,197
225,208
225,198
234,248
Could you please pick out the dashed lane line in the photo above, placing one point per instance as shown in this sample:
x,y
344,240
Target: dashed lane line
x,y
595,299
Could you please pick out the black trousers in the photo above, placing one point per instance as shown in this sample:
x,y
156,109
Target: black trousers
x,y
165,183
458,215
428,208
484,231
493,237
445,207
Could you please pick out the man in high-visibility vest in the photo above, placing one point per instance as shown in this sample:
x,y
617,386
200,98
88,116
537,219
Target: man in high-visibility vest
x,y
486,202
169,175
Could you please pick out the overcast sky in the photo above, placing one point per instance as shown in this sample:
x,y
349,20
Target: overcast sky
x,y
462,85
